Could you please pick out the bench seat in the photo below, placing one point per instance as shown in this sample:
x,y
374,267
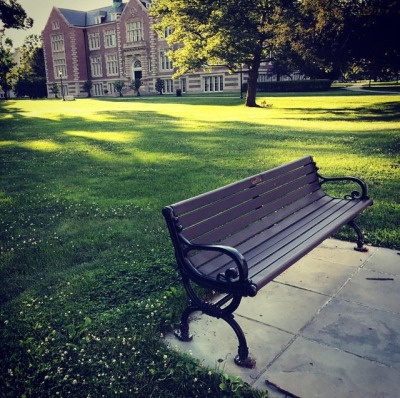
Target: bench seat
x,y
270,252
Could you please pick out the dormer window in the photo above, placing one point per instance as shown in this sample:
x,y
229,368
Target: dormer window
x,y
98,19
115,16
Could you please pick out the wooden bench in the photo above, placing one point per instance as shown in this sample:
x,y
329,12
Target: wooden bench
x,y
236,239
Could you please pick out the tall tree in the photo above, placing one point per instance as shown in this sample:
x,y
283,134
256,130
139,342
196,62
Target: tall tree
x,y
333,36
12,15
321,37
224,32
30,75
375,39
7,64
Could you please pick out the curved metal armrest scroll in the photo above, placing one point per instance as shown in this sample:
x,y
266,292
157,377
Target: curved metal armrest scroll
x,y
236,278
354,194
238,258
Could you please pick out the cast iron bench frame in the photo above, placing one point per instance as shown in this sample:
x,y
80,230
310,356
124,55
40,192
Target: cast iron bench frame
x,y
236,239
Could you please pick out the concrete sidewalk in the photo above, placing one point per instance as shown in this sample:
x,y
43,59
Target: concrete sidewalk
x,y
360,88
328,327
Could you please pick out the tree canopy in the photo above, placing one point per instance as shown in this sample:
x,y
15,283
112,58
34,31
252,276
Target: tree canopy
x,y
7,63
320,38
224,32
12,15
334,35
30,75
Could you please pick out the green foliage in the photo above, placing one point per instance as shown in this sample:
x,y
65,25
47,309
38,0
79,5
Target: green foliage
x,y
230,33
137,83
7,64
160,85
86,264
87,87
12,15
119,86
54,89
373,44
30,75
30,86
333,36
321,39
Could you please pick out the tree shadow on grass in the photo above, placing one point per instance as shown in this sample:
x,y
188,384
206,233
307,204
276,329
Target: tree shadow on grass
x,y
90,192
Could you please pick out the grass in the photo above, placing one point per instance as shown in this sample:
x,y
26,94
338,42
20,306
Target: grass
x,y
88,281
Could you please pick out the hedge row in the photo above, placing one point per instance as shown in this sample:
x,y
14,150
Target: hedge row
x,y
293,86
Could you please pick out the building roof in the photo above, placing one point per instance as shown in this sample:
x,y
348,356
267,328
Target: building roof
x,y
82,18
104,11
77,18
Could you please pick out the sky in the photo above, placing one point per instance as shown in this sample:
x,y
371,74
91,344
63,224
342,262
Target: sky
x,y
40,10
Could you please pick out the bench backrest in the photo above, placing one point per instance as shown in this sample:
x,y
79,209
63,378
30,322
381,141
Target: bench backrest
x,y
236,212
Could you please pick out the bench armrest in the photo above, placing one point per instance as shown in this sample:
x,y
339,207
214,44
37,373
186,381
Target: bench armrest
x,y
234,276
354,194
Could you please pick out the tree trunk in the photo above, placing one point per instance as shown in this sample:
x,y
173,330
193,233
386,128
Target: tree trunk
x,y
252,87
252,80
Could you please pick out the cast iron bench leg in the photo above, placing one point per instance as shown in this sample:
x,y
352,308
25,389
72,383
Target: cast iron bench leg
x,y
183,332
242,358
360,241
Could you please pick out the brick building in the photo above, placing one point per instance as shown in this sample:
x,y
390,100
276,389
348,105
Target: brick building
x,y
117,42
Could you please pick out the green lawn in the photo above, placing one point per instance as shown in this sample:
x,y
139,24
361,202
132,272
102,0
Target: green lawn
x,y
88,282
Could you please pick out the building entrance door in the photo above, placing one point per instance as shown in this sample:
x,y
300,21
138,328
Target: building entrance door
x,y
136,70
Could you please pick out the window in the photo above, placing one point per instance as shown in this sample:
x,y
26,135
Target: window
x,y
98,89
264,77
167,32
213,83
94,41
114,16
165,62
110,38
168,86
96,67
97,19
134,31
57,43
183,85
111,88
112,65
55,25
60,66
